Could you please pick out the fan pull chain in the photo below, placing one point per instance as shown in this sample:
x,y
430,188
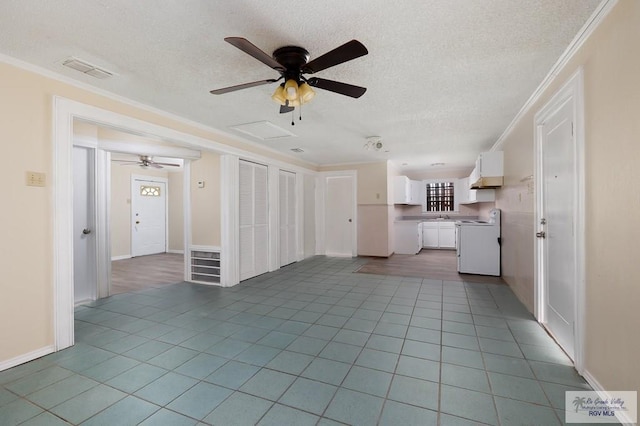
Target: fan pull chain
x,y
293,117
300,112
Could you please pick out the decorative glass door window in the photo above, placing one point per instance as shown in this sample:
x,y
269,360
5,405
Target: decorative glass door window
x,y
150,191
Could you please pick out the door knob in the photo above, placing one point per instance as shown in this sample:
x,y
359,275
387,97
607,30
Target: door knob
x,y
86,231
137,222
350,220
541,234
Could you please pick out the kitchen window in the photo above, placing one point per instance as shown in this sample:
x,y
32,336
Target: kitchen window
x,y
439,197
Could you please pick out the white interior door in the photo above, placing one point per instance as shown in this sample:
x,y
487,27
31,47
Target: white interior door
x,y
148,216
339,216
84,240
287,213
557,213
254,220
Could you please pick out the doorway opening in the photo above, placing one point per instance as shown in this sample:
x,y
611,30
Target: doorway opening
x,y
142,205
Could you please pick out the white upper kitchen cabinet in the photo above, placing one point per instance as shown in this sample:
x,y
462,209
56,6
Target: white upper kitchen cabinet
x,y
406,191
418,192
462,191
489,170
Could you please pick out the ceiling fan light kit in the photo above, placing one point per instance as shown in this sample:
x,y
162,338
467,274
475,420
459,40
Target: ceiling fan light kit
x,y
305,93
291,90
279,95
292,62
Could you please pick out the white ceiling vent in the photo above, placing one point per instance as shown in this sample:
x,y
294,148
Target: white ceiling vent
x,y
263,130
87,68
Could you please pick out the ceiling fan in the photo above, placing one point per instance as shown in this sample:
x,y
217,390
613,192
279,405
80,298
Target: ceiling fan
x,y
144,162
292,62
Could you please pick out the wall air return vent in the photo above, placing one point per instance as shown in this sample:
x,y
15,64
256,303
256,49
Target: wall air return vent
x,y
205,265
87,68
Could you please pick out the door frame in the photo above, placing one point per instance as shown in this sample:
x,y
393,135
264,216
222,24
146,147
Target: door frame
x,y
321,194
571,91
96,292
65,111
158,179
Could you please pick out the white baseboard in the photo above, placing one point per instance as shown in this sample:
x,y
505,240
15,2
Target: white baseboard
x,y
30,356
175,251
338,255
595,384
124,256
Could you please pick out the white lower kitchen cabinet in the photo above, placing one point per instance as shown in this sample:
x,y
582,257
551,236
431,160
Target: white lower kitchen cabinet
x,y
408,237
430,237
439,235
447,235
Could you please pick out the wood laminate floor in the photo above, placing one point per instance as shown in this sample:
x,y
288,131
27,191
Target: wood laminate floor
x,y
155,270
434,264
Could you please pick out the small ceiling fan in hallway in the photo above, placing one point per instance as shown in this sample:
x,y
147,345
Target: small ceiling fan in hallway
x,y
146,161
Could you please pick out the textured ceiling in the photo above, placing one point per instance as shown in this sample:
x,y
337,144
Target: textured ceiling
x,y
444,77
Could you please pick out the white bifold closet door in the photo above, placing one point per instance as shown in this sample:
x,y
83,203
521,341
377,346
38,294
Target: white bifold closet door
x,y
287,197
254,220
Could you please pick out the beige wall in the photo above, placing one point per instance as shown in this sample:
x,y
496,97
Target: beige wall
x,y
26,99
372,181
26,305
176,211
205,202
309,215
611,66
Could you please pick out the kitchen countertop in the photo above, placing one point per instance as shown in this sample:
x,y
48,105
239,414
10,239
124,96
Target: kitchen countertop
x,y
417,219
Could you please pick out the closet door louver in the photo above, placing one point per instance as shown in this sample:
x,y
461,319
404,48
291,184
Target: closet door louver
x,y
287,208
254,214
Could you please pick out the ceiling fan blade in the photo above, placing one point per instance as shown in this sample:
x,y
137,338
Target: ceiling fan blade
x,y
348,51
168,164
241,86
125,162
155,165
250,49
285,109
337,87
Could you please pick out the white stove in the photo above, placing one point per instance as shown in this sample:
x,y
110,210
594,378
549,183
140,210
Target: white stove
x,y
478,245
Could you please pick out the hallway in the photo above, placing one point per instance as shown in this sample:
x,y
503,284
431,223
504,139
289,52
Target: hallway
x,y
142,272
313,343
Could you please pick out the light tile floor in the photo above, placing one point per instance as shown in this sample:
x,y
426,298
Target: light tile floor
x,y
310,344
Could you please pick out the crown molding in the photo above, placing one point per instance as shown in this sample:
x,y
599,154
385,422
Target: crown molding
x,y
594,21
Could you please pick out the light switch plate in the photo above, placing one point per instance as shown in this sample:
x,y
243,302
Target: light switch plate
x,y
36,179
